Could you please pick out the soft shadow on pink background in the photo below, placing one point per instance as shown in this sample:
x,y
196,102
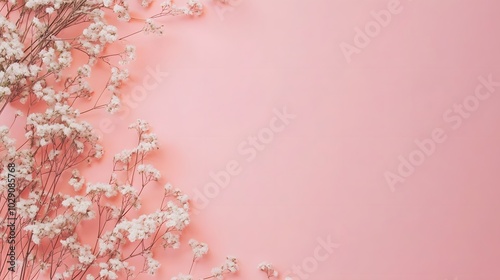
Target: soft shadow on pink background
x,y
324,174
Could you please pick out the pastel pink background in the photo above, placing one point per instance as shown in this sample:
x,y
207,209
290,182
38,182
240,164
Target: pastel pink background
x,y
324,174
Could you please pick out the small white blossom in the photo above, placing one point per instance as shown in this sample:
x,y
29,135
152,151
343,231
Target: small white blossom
x,y
84,70
217,273
268,268
171,240
99,188
79,204
199,249
113,105
195,8
121,11
149,171
231,264
151,264
76,181
152,27
182,277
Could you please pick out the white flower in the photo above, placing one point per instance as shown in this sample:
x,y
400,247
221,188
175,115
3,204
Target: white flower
x,y
52,154
99,188
182,277
231,264
79,204
149,171
177,217
121,11
100,32
50,228
268,269
149,142
38,24
129,55
146,3
171,240
152,264
127,190
195,8
4,91
118,76
76,181
140,125
124,156
104,273
113,105
199,249
142,227
217,272
168,188
108,242
152,27
84,70
27,208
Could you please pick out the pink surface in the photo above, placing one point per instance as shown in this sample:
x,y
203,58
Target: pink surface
x,y
324,173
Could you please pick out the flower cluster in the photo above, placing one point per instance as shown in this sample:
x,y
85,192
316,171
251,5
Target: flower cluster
x,y
199,249
268,268
50,51
270,271
230,266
